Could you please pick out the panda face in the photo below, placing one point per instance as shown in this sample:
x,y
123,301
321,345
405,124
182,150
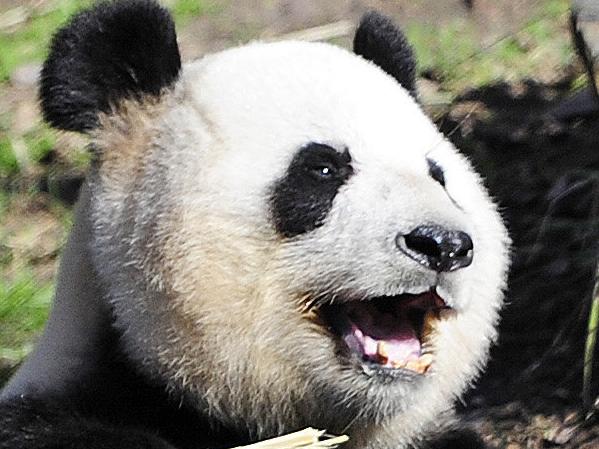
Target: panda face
x,y
302,227
285,238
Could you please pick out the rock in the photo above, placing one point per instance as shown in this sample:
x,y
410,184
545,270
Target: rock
x,y
26,75
564,435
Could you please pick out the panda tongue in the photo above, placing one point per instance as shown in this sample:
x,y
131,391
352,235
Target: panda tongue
x,y
382,337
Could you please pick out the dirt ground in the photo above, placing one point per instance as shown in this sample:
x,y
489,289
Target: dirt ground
x,y
545,174
544,171
241,21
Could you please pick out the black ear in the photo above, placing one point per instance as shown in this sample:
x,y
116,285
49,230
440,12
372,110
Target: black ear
x,y
379,40
116,50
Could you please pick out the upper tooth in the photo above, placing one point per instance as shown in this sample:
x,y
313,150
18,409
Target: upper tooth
x,y
443,293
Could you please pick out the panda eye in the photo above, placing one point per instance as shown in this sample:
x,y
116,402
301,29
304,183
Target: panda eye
x,y
302,198
436,172
324,171
325,164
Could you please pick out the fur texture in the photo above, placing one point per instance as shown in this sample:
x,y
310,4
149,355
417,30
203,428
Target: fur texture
x,y
189,223
380,41
39,421
208,297
114,51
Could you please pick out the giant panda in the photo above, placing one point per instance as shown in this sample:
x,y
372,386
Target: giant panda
x,y
271,237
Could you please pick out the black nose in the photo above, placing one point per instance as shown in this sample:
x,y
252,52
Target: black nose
x,y
437,248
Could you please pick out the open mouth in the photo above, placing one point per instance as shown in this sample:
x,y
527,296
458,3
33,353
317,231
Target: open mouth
x,y
389,332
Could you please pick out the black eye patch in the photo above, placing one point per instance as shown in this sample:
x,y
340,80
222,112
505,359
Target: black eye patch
x,y
436,172
301,199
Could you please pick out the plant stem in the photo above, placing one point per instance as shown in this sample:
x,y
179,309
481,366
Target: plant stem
x,y
589,349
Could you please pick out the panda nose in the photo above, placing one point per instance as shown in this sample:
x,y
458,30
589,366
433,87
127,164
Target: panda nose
x,y
437,248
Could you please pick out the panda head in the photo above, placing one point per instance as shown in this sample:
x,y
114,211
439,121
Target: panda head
x,y
285,238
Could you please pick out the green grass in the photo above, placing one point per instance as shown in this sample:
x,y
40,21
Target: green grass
x,y
455,54
24,306
28,42
25,296
39,143
184,10
25,292
8,161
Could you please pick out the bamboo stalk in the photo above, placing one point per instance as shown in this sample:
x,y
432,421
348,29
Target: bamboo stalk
x,y
308,439
589,349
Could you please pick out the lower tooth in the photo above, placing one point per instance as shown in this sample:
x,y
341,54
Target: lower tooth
x,y
398,363
381,351
426,359
421,365
414,365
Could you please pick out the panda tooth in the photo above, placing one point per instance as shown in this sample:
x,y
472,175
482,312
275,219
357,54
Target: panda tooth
x,y
426,359
382,352
421,365
414,365
398,363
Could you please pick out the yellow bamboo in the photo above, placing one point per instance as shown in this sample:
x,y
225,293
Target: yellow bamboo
x,y
307,439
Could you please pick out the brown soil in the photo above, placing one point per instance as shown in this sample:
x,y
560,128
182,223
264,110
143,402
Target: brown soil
x,y
545,175
241,21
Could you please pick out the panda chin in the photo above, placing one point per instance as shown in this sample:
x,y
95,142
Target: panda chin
x,y
388,336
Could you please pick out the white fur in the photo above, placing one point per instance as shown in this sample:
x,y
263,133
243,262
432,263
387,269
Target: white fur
x,y
208,294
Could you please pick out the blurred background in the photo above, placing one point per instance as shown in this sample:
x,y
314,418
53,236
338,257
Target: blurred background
x,y
503,79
